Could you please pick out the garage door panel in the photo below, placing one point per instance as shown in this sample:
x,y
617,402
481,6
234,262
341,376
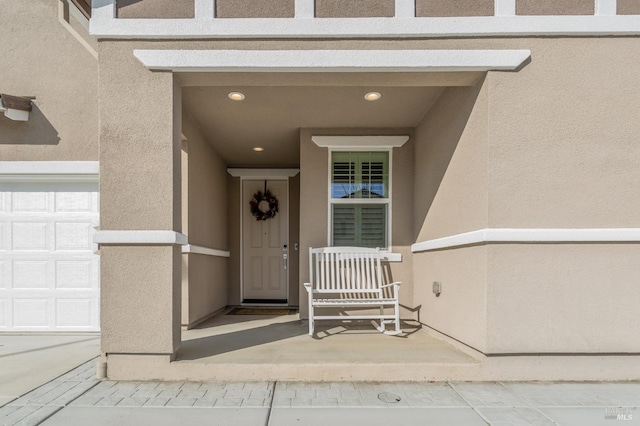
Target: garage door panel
x,y
30,274
31,312
49,272
66,202
74,312
4,312
73,236
74,274
29,236
4,270
22,202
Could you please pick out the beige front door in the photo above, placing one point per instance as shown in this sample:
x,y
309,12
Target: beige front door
x,y
265,245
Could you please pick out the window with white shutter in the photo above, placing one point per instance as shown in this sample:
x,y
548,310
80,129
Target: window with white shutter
x,y
360,198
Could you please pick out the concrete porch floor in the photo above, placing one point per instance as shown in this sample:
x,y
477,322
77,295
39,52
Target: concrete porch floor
x,y
263,347
277,348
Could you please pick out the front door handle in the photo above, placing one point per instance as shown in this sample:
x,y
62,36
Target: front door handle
x,y
285,258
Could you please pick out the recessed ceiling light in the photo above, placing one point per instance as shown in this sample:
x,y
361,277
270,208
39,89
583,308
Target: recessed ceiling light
x,y
236,96
258,148
372,96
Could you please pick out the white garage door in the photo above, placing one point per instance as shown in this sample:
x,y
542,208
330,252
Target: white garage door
x,y
49,274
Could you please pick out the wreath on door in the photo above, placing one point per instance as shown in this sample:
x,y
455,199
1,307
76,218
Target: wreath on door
x,y
263,205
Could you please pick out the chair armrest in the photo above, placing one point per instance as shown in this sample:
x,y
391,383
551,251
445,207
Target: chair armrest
x,y
390,284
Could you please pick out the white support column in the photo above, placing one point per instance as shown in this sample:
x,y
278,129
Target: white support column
x,y
606,7
305,8
405,8
205,9
505,7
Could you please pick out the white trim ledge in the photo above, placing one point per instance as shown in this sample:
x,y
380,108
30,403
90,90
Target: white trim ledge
x,y
103,25
263,173
360,141
44,171
194,249
522,235
391,257
144,238
331,60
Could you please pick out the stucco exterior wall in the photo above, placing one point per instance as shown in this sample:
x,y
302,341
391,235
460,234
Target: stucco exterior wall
x,y
314,220
628,7
155,9
140,177
555,7
255,9
455,7
451,188
563,298
41,58
450,197
139,301
461,309
205,224
563,144
354,8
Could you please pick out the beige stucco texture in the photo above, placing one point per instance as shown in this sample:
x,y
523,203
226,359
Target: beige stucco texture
x,y
64,122
205,222
454,7
139,299
255,9
354,8
555,7
563,144
140,178
139,144
563,298
450,195
155,9
628,7
513,153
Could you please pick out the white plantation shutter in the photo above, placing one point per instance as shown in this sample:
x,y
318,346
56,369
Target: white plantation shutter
x,y
359,198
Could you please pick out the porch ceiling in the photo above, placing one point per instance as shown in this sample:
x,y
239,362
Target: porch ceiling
x,y
271,116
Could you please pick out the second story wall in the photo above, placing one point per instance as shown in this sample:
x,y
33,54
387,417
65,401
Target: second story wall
x,y
41,58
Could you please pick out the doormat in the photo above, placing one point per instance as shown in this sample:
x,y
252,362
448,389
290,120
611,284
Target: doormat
x,y
261,311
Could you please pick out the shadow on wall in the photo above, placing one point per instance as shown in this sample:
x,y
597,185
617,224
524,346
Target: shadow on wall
x,y
437,138
37,131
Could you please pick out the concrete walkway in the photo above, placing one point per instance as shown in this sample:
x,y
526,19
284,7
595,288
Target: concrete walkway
x,y
28,361
77,398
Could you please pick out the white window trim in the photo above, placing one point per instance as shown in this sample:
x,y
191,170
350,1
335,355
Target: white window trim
x,y
388,201
353,143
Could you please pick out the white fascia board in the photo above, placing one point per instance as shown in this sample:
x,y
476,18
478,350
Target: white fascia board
x,y
190,248
153,237
46,171
529,236
331,60
263,173
103,26
359,141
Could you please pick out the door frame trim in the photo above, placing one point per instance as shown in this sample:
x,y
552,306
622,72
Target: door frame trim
x,y
260,174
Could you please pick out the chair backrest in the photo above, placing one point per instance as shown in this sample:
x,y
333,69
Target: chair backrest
x,y
345,270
